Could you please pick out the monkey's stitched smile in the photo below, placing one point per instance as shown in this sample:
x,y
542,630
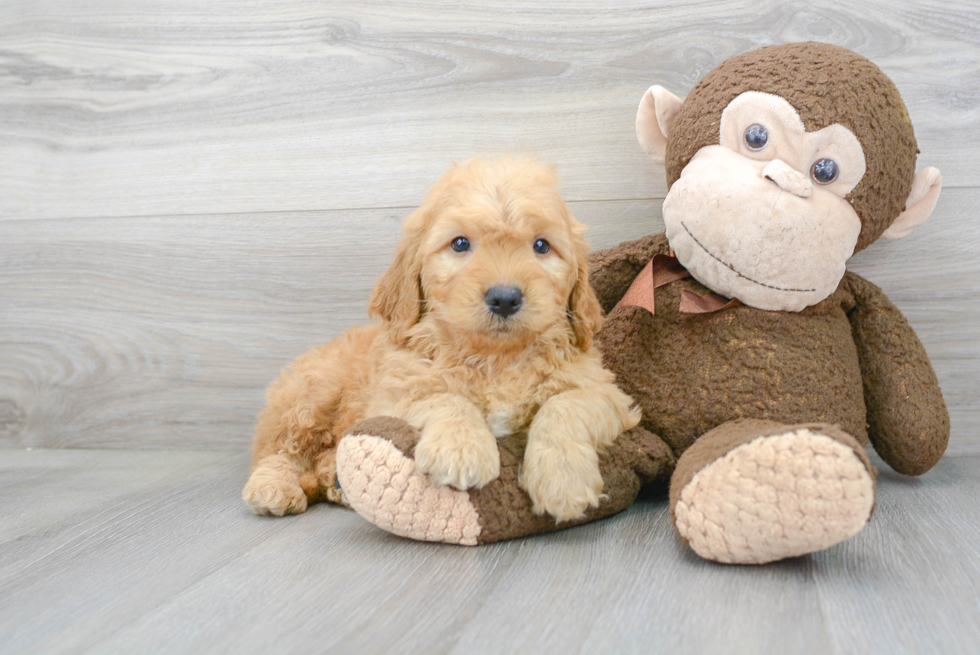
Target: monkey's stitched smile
x,y
736,272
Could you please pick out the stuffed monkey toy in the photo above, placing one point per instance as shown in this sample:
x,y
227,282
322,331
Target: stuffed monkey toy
x,y
762,366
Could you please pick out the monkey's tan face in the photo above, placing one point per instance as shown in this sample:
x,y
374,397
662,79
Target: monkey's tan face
x,y
762,217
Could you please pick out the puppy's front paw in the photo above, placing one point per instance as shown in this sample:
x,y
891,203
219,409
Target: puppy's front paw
x,y
562,481
273,492
462,460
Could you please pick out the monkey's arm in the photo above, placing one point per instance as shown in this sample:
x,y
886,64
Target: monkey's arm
x,y
612,271
907,419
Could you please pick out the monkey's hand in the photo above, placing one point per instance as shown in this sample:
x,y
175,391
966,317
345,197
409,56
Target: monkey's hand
x,y
612,271
907,419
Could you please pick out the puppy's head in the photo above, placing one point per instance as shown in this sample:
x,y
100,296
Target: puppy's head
x,y
493,252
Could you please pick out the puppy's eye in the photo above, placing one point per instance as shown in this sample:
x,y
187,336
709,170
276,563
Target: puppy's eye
x,y
542,247
460,244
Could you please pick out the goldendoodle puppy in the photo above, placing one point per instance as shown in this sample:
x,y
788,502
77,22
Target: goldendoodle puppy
x,y
486,325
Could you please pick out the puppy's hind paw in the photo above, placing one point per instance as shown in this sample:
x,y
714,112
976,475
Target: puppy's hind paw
x,y
269,493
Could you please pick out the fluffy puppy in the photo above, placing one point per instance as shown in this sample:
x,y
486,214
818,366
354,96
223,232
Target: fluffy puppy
x,y
486,325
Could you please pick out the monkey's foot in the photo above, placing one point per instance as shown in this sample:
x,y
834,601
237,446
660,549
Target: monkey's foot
x,y
380,481
751,492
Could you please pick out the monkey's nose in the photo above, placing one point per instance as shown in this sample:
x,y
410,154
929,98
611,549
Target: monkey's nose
x,y
788,178
504,301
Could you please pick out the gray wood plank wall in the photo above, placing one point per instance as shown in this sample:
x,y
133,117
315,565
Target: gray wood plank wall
x,y
193,193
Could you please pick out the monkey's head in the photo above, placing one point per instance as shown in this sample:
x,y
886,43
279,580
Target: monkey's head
x,y
782,163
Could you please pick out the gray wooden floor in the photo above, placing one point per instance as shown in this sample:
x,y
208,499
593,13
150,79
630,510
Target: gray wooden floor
x,y
193,193
120,551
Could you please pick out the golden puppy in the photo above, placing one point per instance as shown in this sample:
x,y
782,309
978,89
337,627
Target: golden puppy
x,y
486,325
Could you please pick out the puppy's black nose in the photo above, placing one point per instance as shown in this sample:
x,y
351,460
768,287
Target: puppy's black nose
x,y
504,301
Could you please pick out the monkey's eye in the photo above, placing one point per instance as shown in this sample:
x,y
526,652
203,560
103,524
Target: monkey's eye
x,y
460,244
824,171
542,247
756,137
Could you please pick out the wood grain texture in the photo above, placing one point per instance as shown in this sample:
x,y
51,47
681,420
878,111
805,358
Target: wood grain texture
x,y
141,108
164,332
158,555
192,193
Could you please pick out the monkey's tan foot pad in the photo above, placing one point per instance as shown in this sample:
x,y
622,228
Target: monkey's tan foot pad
x,y
379,479
776,496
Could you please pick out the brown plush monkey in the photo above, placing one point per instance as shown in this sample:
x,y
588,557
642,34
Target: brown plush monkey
x,y
762,367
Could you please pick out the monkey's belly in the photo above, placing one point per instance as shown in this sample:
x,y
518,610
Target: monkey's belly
x,y
690,373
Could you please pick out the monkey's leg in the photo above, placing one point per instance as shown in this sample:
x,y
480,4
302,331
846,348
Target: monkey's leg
x,y
751,492
379,479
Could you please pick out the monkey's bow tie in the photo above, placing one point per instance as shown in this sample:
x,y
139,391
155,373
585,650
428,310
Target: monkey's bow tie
x,y
664,269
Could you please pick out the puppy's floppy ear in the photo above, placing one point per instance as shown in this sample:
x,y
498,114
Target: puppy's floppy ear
x,y
397,297
584,311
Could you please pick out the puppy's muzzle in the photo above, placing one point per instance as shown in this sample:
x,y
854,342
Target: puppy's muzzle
x,y
504,301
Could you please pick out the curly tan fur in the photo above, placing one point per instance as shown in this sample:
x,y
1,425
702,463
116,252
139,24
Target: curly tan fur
x,y
439,359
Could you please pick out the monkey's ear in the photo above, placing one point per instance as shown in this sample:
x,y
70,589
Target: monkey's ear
x,y
922,200
653,120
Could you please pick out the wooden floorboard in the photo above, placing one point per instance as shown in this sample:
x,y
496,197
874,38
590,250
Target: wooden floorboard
x,y
916,556
161,556
42,487
143,108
